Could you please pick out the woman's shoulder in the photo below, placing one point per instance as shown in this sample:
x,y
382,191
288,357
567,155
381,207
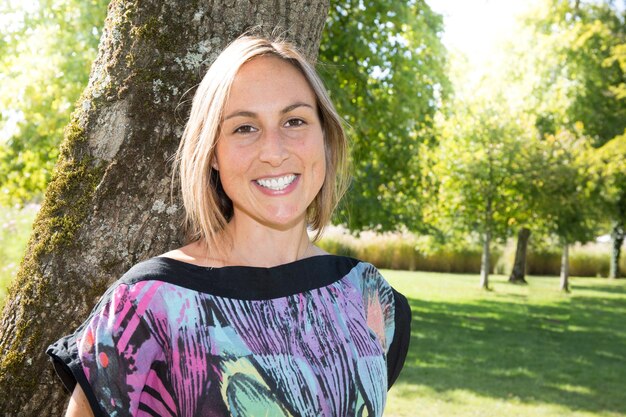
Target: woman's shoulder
x,y
153,269
194,253
169,266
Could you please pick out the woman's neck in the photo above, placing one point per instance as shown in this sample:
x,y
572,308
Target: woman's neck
x,y
253,244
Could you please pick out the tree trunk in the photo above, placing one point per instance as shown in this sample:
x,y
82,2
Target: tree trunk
x,y
108,205
617,240
484,262
518,273
565,268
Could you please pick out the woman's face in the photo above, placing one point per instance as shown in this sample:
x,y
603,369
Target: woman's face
x,y
270,153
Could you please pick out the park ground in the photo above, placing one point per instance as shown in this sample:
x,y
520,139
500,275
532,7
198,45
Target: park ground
x,y
514,351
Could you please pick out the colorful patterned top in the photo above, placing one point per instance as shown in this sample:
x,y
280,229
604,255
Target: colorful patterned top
x,y
322,336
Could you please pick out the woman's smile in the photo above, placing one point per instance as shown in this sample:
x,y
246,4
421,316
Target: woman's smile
x,y
278,185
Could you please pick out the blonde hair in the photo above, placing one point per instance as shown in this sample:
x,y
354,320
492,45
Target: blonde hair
x,y
207,207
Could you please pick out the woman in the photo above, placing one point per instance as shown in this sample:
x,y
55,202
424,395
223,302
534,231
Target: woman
x,y
250,318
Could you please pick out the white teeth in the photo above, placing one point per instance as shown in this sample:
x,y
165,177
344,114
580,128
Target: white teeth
x,y
277,184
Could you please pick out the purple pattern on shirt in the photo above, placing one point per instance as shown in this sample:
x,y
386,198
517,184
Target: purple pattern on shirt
x,y
155,348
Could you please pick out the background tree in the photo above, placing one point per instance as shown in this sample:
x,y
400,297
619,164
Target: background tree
x,y
568,203
579,59
518,271
476,165
609,164
108,203
535,192
384,65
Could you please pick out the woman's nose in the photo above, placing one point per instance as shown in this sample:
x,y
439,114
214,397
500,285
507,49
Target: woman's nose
x,y
273,149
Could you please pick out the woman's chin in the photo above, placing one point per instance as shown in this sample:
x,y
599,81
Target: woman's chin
x,y
274,216
283,219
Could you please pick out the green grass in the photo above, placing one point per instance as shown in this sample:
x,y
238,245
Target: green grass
x,y
15,226
513,351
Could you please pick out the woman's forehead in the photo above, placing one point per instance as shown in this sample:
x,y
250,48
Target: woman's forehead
x,y
269,80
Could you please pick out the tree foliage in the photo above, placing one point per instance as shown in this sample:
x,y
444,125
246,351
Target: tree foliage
x,y
383,63
580,60
569,66
609,166
568,202
476,167
46,50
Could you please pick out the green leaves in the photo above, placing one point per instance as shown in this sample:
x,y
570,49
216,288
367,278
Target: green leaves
x,y
585,83
478,166
383,63
45,54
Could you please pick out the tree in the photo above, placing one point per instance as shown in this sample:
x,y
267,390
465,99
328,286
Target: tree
x,y
569,200
582,86
518,272
535,194
384,65
609,164
476,166
108,203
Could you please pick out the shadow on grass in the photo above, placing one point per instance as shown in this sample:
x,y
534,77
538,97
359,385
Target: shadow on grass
x,y
571,352
608,288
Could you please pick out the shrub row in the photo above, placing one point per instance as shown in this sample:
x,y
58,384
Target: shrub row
x,y
402,254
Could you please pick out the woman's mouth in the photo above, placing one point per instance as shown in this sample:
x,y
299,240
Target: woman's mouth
x,y
277,183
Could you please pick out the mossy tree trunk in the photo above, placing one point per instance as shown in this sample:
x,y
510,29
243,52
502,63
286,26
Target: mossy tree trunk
x,y
108,205
518,273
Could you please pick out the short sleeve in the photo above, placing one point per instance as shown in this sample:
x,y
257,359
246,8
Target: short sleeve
x,y
388,315
110,355
399,346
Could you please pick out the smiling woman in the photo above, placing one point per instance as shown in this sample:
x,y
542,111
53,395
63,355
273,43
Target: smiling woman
x,y
250,317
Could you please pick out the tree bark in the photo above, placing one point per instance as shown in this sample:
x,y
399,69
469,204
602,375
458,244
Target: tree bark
x,y
565,268
485,262
518,273
617,240
108,205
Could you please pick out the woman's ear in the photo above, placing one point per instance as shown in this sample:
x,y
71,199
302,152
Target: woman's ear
x,y
214,164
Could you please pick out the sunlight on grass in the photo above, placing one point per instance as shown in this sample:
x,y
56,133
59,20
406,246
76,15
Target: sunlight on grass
x,y
517,350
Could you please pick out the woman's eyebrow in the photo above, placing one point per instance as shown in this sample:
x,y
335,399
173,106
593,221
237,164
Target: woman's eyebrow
x,y
244,113
241,113
295,106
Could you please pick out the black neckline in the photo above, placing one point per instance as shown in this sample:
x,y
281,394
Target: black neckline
x,y
190,265
245,282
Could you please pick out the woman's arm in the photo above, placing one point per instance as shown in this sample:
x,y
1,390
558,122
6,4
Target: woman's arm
x,y
79,405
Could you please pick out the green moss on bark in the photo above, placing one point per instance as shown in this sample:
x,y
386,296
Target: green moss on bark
x,y
67,203
69,195
154,32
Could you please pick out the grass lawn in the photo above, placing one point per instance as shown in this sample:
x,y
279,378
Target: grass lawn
x,y
15,225
514,351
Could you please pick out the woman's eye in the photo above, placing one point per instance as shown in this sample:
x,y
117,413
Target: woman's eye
x,y
245,129
294,122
